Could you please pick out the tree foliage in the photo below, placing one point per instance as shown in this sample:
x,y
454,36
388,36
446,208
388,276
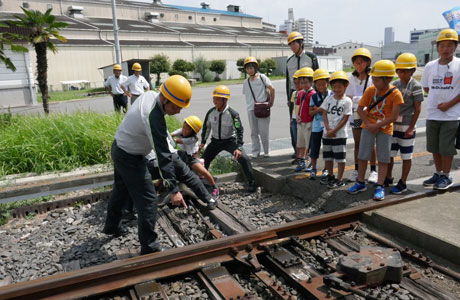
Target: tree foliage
x,y
268,65
6,41
217,66
201,67
43,27
159,64
239,64
181,67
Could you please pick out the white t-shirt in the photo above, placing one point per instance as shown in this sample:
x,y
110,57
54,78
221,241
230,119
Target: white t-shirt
x,y
190,143
336,110
115,83
444,84
259,89
136,85
355,91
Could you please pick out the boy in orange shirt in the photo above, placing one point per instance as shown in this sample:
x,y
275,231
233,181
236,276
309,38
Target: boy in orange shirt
x,y
378,108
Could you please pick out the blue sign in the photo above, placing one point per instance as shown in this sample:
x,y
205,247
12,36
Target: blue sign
x,y
452,17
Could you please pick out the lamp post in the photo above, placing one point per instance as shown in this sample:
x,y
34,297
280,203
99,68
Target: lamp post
x,y
115,33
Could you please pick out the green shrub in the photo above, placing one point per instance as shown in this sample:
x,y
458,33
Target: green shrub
x,y
202,67
208,77
223,164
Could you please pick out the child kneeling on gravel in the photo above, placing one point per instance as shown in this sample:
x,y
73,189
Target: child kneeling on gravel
x,y
337,108
187,140
224,125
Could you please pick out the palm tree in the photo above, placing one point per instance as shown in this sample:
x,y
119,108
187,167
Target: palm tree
x,y
42,28
6,42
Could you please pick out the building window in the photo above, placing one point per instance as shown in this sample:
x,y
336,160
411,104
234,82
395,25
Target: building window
x,y
356,47
340,48
189,17
162,15
350,47
215,19
202,18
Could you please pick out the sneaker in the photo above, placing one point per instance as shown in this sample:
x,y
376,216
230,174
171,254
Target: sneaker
x,y
443,183
357,187
309,169
324,174
388,182
432,181
373,177
266,155
313,174
335,184
215,192
212,203
399,188
252,187
353,176
326,179
301,166
379,193
295,161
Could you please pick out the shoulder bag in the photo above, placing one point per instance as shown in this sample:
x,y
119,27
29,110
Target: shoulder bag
x,y
261,109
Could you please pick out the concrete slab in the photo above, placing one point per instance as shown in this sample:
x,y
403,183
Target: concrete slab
x,y
432,223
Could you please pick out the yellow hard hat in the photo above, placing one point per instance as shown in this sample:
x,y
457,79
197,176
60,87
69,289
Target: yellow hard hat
x,y
250,59
339,75
320,74
447,35
194,122
136,67
293,36
406,61
117,67
221,91
383,68
362,52
305,72
296,74
177,89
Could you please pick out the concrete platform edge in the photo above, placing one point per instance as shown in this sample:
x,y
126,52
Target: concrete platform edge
x,y
419,238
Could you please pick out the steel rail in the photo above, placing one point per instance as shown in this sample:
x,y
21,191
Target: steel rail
x,y
121,274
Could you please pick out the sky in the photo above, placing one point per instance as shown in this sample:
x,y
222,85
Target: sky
x,y
338,21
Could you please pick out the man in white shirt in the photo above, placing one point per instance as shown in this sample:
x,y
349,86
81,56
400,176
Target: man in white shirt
x,y
136,83
142,130
113,87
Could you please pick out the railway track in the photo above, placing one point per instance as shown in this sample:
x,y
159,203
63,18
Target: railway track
x,y
331,256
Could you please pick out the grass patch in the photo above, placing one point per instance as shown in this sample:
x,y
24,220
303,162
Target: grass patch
x,y
223,164
72,95
59,142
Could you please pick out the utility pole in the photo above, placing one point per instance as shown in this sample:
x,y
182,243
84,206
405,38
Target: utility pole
x,y
115,33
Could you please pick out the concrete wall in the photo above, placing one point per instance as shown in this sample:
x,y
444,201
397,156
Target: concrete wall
x,y
346,50
17,88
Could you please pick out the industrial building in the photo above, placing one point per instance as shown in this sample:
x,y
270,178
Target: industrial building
x,y
346,50
147,29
